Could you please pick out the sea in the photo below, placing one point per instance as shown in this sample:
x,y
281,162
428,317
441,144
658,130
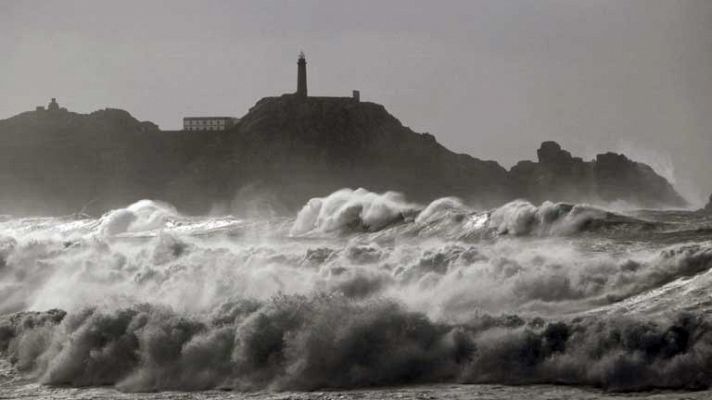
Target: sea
x,y
359,295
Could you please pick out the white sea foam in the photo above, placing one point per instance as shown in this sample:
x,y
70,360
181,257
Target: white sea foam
x,y
359,289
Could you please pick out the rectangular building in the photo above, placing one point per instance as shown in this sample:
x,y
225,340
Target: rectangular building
x,y
208,123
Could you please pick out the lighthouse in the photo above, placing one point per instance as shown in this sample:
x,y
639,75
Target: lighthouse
x,y
302,75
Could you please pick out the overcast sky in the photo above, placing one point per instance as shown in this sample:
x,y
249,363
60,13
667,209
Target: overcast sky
x,y
488,78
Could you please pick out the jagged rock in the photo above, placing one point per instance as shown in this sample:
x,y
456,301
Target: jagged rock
x,y
550,153
610,177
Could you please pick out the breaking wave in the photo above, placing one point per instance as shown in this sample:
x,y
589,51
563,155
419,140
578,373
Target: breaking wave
x,y
303,343
358,289
352,210
140,216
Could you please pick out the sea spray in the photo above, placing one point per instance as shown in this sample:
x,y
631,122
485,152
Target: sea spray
x,y
359,289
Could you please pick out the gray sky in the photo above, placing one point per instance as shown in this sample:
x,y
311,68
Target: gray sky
x,y
488,78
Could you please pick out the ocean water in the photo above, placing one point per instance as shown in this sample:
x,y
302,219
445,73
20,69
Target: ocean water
x,y
359,295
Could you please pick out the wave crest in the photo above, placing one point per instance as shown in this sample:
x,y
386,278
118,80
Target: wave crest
x,y
143,215
352,210
297,342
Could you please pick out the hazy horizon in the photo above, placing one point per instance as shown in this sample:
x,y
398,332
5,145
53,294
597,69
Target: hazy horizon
x,y
489,78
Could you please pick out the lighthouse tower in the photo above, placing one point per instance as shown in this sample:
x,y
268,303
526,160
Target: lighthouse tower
x,y
302,75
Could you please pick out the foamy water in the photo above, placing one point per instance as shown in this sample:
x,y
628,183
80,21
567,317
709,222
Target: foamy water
x,y
357,290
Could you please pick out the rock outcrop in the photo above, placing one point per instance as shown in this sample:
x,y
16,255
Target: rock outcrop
x,y
609,178
284,151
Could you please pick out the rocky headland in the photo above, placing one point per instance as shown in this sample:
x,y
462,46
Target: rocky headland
x,y
284,151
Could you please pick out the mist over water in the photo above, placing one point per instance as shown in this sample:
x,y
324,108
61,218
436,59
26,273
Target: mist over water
x,y
358,289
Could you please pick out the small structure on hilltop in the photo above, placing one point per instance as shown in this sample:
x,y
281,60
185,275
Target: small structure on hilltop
x,y
302,82
302,75
52,107
193,124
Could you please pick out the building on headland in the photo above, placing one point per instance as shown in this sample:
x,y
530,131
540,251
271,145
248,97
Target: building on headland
x,y
53,107
209,123
302,75
302,81
192,124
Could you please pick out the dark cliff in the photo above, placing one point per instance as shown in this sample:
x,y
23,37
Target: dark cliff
x,y
610,177
62,162
296,148
284,150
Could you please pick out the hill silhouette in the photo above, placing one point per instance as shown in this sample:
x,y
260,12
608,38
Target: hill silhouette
x,y
284,151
